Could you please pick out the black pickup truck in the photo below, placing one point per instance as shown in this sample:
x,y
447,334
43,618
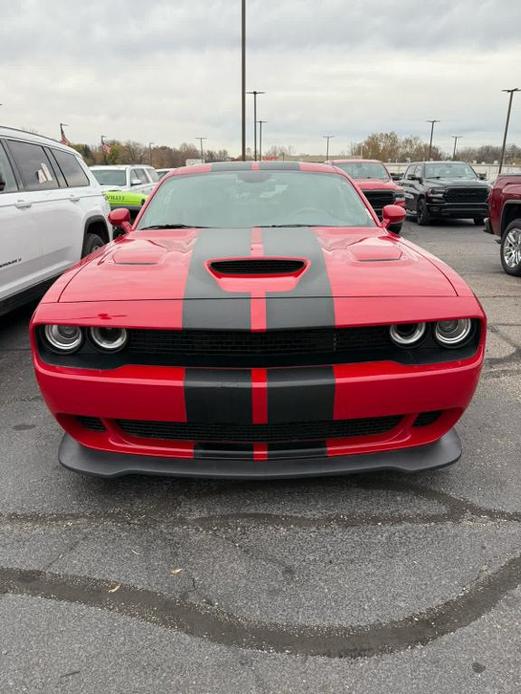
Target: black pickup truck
x,y
438,189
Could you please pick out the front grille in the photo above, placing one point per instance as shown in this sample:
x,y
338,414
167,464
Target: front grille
x,y
379,199
241,343
257,266
469,195
291,432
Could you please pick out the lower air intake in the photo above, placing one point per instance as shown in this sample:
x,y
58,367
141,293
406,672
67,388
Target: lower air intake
x,y
290,432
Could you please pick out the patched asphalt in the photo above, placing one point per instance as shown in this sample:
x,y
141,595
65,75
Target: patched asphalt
x,y
373,583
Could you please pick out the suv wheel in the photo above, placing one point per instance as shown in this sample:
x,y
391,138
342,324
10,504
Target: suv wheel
x,y
479,221
422,215
511,248
92,243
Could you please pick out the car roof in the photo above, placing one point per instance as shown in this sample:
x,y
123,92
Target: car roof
x,y
26,136
121,167
355,161
263,166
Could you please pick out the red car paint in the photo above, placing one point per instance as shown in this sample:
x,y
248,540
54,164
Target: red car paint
x,y
371,184
504,203
140,281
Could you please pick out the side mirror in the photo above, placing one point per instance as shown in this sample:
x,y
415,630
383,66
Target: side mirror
x,y
120,217
135,182
482,176
393,215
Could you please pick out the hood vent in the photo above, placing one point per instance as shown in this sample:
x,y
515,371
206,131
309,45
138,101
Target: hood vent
x,y
240,267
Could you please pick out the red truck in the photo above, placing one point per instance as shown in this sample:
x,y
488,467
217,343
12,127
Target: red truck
x,y
504,206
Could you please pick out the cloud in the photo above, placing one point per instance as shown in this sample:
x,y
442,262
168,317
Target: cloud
x,y
168,71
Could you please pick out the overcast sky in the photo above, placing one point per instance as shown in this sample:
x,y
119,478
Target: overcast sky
x,y
168,71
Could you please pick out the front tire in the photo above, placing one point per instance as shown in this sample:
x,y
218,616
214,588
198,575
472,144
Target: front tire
x,y
479,221
511,249
92,243
422,214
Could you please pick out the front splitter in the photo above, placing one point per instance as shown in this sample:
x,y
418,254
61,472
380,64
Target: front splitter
x,y
74,456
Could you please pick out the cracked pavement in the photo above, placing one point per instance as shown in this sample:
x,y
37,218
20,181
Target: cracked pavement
x,y
371,583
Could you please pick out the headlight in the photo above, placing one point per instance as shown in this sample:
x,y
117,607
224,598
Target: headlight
x,y
399,196
109,339
407,334
63,338
435,193
451,333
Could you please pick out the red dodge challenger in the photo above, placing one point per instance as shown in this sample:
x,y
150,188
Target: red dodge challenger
x,y
258,320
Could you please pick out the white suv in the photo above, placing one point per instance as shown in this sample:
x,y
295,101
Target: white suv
x,y
52,213
139,177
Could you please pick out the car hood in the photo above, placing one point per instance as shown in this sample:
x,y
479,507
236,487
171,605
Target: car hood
x,y
455,183
336,262
376,184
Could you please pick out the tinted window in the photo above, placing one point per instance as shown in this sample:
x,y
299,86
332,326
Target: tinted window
x,y
450,170
110,177
361,170
257,198
140,175
7,179
75,176
34,166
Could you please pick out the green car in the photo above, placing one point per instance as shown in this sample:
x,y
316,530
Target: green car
x,y
133,200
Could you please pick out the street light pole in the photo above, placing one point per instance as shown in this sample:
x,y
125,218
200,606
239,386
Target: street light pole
x,y
511,93
243,76
432,122
455,138
201,140
327,138
261,123
255,94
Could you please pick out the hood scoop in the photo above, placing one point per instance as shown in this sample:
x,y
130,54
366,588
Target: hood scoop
x,y
257,267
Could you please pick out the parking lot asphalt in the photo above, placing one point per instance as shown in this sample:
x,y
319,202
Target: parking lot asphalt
x,y
370,583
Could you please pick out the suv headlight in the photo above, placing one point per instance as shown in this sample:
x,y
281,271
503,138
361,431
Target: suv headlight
x,y
435,193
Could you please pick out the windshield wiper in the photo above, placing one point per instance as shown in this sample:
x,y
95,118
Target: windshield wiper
x,y
173,226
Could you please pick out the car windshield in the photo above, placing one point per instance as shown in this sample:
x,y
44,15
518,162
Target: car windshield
x,y
256,198
110,177
364,169
450,170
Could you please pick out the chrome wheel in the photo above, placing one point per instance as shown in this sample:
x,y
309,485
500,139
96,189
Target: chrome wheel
x,y
512,248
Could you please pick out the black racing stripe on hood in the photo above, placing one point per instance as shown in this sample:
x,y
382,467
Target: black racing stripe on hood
x,y
316,306
199,311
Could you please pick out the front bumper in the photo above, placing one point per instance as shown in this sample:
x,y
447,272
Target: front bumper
x,y
86,461
457,210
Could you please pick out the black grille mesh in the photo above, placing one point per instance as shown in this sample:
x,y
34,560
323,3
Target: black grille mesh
x,y
257,266
327,341
291,432
92,423
466,195
426,418
379,198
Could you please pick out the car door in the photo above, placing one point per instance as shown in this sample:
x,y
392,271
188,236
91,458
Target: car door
x,y
139,179
21,262
84,198
414,187
45,190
